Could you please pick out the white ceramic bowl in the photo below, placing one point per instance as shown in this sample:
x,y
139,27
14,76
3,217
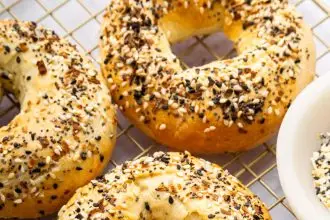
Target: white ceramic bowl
x,y
308,116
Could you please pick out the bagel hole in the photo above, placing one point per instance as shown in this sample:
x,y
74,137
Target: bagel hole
x,y
9,108
198,51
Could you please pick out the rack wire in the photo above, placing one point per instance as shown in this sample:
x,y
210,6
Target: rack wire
x,y
77,19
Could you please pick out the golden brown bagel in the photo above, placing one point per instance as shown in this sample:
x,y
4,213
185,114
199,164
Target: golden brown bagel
x,y
167,186
228,105
64,134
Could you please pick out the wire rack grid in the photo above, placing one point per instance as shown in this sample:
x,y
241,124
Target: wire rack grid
x,y
79,21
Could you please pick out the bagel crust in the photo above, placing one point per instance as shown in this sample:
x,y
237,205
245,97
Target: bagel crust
x,y
64,134
228,105
173,186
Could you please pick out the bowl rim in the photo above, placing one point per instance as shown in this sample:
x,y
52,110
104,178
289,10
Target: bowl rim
x,y
284,153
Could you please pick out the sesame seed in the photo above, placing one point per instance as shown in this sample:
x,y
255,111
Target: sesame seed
x,y
162,127
237,88
48,159
277,112
211,103
142,118
18,201
157,94
174,105
209,4
270,110
223,100
57,151
17,160
145,105
52,175
240,125
209,129
201,10
182,110
11,175
2,197
33,190
113,87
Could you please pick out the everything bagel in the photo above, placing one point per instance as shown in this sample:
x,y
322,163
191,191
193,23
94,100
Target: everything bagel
x,y
167,186
64,134
228,105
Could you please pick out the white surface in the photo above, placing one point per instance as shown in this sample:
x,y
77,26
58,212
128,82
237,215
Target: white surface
x,y
79,21
307,117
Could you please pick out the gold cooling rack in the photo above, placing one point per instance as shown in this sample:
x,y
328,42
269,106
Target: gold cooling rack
x,y
79,20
